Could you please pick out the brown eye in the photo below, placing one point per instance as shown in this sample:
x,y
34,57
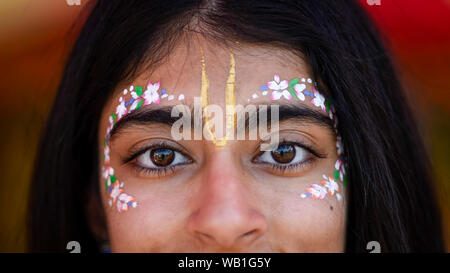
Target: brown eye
x,y
284,154
162,157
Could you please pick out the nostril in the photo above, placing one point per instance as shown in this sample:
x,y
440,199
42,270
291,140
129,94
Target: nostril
x,y
249,236
251,232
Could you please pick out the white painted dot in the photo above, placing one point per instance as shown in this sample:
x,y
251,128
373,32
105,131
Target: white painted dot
x,y
303,80
181,97
125,91
302,195
170,97
338,196
121,185
110,202
120,99
164,96
254,96
131,88
134,204
309,80
265,93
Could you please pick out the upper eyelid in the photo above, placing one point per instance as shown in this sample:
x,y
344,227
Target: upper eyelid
x,y
311,148
159,144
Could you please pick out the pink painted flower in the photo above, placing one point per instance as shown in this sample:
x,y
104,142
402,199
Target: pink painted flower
x,y
151,94
319,100
276,95
276,84
317,191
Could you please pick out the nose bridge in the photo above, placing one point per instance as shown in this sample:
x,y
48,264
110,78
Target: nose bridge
x,y
225,214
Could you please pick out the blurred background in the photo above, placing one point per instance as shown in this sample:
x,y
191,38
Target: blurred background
x,y
36,36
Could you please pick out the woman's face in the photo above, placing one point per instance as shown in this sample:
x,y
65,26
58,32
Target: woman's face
x,y
198,195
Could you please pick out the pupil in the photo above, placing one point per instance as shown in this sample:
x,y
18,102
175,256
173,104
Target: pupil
x,y
284,153
162,157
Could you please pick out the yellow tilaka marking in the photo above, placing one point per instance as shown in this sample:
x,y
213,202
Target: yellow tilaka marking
x,y
230,101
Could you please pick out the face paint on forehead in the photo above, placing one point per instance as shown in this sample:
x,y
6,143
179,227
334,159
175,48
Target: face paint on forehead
x,y
305,90
230,102
130,100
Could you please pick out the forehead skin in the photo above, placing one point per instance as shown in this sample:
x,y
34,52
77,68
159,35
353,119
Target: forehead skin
x,y
179,74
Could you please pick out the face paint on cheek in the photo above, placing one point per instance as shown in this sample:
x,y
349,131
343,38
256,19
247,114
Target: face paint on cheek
x,y
296,89
131,100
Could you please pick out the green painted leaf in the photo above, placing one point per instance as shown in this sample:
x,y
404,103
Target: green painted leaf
x,y
139,90
345,181
336,174
114,117
106,185
113,178
291,88
139,104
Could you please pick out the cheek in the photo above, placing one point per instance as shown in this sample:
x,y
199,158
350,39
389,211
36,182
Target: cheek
x,y
151,226
310,225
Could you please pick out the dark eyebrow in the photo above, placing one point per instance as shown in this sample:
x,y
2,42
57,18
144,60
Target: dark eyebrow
x,y
143,116
299,112
162,115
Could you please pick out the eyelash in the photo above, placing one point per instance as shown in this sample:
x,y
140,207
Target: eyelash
x,y
159,171
163,171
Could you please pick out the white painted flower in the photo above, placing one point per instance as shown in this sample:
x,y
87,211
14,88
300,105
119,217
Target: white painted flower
x,y
135,103
107,171
317,191
106,154
339,145
121,206
299,91
330,184
276,95
134,95
276,84
340,167
151,94
116,191
122,202
332,112
121,110
319,100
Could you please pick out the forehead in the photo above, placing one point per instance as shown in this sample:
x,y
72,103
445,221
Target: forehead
x,y
180,72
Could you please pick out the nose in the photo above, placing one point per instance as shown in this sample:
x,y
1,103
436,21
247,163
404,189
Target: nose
x,y
225,214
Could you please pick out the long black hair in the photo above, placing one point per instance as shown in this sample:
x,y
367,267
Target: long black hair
x,y
391,195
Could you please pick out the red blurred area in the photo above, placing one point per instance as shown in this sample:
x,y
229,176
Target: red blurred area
x,y
419,32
